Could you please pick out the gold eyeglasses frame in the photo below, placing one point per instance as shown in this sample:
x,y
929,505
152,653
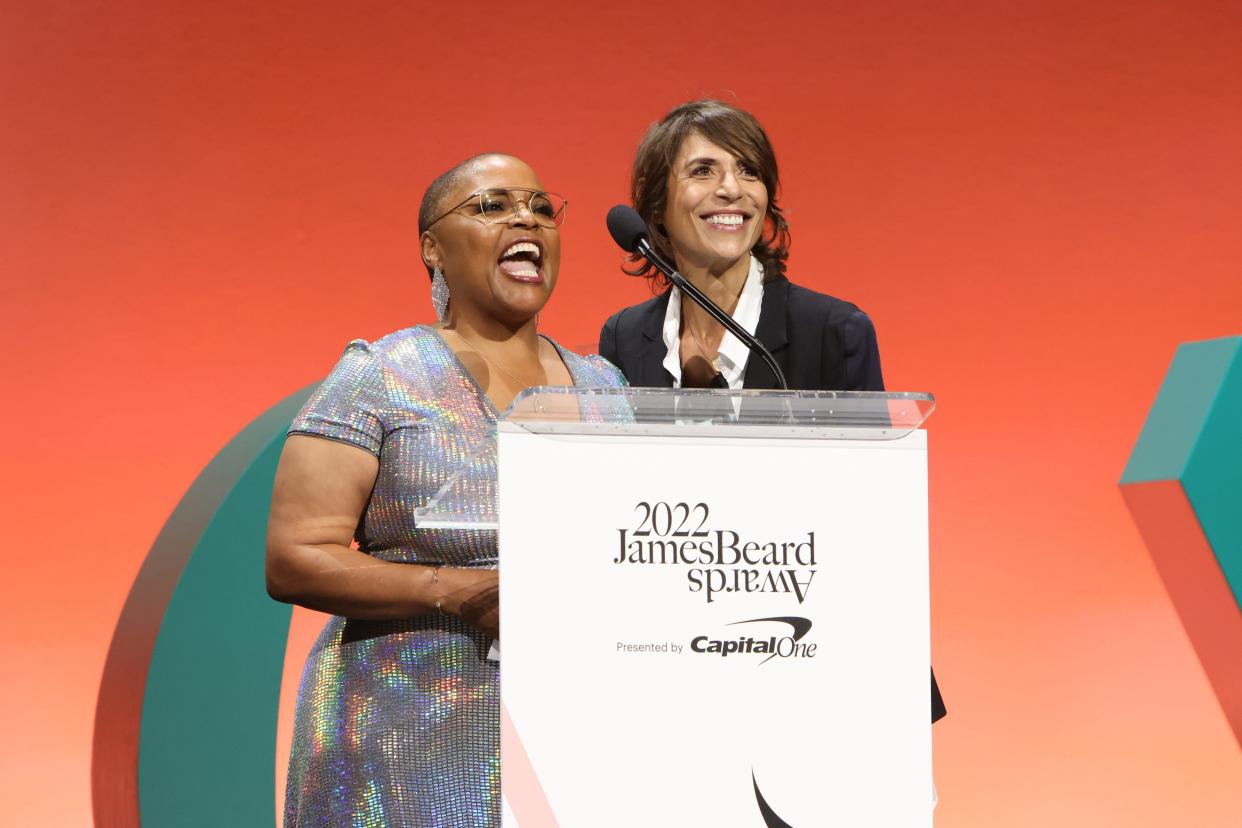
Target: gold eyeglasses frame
x,y
553,221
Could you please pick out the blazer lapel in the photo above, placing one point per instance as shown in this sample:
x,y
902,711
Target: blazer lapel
x,y
651,370
772,332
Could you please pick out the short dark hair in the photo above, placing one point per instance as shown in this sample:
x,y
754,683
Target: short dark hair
x,y
732,128
432,205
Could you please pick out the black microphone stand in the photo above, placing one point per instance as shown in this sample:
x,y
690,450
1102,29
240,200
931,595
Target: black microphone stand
x,y
644,249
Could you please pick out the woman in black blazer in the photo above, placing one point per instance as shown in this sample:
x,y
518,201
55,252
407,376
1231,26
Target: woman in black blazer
x,y
819,342
705,182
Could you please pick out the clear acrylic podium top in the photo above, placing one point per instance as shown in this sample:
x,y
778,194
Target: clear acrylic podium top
x,y
673,412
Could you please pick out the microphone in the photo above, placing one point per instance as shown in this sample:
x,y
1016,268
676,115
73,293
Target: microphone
x,y
630,233
627,227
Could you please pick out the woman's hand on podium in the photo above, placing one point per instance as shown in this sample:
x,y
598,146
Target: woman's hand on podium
x,y
478,600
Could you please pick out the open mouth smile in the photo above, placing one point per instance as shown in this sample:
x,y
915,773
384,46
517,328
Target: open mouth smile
x,y
521,261
727,222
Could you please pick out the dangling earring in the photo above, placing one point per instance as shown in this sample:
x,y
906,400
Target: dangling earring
x,y
439,294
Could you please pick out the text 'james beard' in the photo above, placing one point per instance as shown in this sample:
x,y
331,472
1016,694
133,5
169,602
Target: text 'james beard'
x,y
720,560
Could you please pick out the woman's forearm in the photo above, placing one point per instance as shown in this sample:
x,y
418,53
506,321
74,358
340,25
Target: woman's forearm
x,y
343,581
321,491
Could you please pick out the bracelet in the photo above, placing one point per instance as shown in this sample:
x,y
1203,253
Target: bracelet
x,y
435,579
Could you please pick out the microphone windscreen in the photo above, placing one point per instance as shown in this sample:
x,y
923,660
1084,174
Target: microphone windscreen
x,y
626,227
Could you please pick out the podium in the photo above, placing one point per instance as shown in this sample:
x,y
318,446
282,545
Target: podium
x,y
714,605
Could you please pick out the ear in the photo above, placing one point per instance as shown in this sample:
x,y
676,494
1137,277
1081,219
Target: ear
x,y
429,249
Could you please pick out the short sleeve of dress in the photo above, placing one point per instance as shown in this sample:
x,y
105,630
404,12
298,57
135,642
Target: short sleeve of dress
x,y
609,374
349,405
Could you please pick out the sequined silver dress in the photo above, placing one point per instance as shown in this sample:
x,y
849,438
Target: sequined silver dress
x,y
397,722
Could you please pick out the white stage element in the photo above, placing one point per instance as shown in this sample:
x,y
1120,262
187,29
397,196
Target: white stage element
x,y
699,628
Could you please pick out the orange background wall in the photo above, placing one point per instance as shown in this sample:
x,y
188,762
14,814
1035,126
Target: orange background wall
x,y
201,202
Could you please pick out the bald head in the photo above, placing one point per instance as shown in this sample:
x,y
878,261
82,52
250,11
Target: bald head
x,y
435,200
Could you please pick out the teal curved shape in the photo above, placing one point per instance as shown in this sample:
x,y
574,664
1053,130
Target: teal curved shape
x,y
209,710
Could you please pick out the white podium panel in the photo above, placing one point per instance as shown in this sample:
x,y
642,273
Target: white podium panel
x,y
715,631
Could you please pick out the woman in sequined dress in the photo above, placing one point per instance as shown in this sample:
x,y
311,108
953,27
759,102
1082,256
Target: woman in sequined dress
x,y
398,711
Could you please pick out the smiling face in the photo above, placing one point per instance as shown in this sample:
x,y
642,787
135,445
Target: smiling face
x,y
504,270
716,206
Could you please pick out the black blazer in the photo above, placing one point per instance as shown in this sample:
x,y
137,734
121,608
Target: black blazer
x,y
820,342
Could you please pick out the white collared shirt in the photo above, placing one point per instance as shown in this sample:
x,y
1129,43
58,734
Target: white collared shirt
x,y
733,353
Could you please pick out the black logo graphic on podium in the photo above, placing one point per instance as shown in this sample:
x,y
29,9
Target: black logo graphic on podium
x,y
770,818
801,626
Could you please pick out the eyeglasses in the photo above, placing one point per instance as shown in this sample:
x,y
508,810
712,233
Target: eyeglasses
x,y
499,204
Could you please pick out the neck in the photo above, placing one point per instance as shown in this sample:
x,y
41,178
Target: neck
x,y
495,333
723,285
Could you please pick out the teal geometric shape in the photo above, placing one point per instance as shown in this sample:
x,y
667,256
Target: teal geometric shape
x,y
1175,424
203,646
1183,486
1213,477
1193,434
208,715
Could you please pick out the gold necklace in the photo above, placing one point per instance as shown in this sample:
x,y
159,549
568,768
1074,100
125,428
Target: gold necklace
x,y
490,361
714,361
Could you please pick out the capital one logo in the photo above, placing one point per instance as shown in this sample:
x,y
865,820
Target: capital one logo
x,y
785,641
